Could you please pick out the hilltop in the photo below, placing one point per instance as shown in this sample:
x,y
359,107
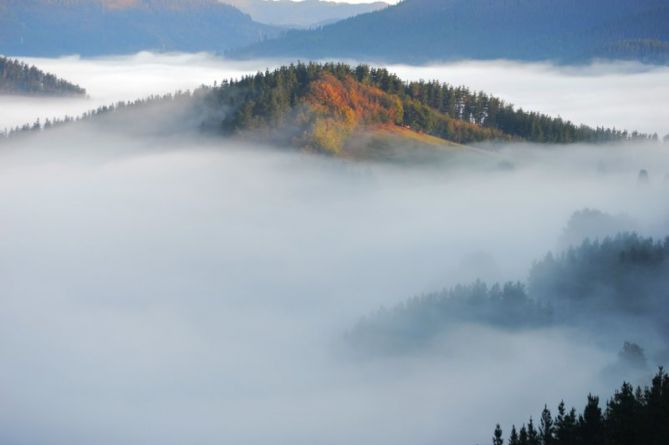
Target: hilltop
x,y
326,107
357,112
419,31
19,78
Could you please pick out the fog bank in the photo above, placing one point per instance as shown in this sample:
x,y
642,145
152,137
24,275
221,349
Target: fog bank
x,y
178,289
160,293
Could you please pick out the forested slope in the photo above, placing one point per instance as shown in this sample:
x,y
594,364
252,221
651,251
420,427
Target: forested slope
x,y
328,102
21,79
623,279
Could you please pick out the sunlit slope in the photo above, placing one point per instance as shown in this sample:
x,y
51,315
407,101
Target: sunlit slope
x,y
336,113
334,108
344,115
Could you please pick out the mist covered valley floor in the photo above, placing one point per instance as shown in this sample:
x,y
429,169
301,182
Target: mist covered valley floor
x,y
171,290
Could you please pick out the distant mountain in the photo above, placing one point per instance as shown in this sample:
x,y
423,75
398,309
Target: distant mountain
x,y
302,14
336,109
21,79
642,50
97,27
432,30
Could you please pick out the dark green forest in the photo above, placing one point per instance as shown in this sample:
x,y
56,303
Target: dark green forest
x,y
633,416
19,78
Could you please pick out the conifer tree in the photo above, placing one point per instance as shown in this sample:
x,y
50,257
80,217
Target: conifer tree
x,y
522,436
513,437
591,422
546,428
497,436
532,434
632,417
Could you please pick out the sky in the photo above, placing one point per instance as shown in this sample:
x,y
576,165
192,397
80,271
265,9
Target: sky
x,y
392,2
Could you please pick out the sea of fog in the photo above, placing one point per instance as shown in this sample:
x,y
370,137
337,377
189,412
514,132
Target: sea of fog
x,y
163,291
621,95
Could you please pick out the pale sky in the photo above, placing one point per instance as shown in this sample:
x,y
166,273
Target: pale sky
x,y
362,1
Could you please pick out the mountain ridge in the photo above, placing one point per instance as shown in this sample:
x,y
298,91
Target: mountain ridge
x,y
421,31
102,27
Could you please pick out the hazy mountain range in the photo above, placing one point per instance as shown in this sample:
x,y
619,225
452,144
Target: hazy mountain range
x,y
430,30
302,14
95,27
413,31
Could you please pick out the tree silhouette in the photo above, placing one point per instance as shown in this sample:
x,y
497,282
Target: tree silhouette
x,y
632,417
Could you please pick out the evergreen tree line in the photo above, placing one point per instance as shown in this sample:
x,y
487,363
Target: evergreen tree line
x,y
491,112
415,322
633,416
119,107
19,78
266,98
625,275
270,99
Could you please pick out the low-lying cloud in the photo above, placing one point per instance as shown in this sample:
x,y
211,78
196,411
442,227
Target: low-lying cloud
x,y
200,290
164,291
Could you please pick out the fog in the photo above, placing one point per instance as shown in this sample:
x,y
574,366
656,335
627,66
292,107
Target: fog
x,y
622,95
122,78
189,290
625,95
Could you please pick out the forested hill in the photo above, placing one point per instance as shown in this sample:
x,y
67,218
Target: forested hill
x,y
339,109
19,78
98,27
418,31
326,105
